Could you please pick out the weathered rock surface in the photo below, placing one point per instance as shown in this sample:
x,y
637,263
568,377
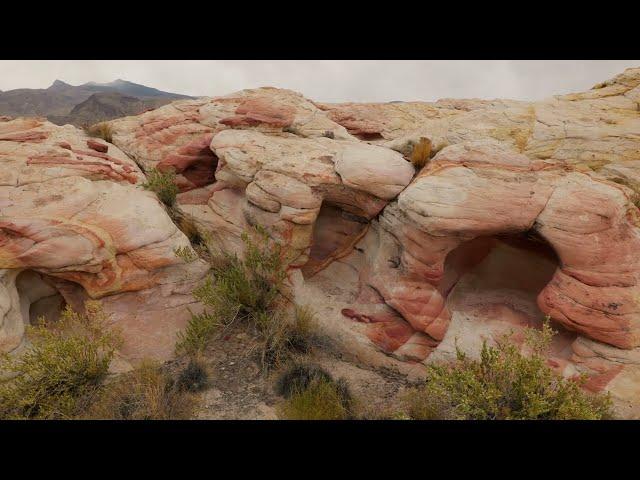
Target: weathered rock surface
x,y
74,217
524,209
175,135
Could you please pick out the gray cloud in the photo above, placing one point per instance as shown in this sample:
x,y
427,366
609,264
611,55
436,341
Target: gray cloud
x,y
330,80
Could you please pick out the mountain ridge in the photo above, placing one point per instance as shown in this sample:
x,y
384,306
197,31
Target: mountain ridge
x,y
58,102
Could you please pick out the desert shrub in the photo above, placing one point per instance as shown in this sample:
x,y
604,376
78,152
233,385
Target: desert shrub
x,y
60,374
312,394
146,393
163,185
241,290
301,336
246,292
504,384
284,337
421,153
193,377
100,130
250,286
198,333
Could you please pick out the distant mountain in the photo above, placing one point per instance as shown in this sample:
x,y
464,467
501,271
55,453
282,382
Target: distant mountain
x,y
63,103
103,106
131,89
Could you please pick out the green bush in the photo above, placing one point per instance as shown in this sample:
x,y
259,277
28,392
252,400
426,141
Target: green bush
x,y
504,384
312,394
163,184
197,334
60,374
248,287
187,254
246,292
241,290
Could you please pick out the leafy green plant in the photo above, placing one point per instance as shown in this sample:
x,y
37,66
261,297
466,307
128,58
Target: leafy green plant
x,y
60,374
504,384
163,184
199,331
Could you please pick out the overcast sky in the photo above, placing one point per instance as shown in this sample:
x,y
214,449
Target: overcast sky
x,y
330,80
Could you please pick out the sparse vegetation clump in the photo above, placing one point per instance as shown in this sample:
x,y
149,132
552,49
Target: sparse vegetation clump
x,y
312,394
421,153
163,184
243,290
505,384
247,292
187,226
194,377
187,254
61,372
146,393
100,130
284,337
298,378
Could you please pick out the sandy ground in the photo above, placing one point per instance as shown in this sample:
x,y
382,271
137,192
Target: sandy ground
x,y
239,390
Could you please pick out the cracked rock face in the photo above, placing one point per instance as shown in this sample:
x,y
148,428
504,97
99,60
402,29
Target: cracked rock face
x,y
73,214
525,209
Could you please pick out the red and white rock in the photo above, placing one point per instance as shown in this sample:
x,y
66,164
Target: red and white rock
x,y
80,219
525,209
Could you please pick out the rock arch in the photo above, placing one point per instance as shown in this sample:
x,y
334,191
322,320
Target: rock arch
x,y
482,189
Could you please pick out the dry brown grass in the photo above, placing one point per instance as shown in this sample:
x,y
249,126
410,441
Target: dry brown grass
x,y
320,401
421,153
100,130
146,393
311,393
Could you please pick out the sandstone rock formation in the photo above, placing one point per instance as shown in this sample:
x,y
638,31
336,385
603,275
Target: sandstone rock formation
x,y
75,223
524,209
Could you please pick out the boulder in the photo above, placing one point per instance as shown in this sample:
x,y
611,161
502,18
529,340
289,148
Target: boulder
x,y
80,219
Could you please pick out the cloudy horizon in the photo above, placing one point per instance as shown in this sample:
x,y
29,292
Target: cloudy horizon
x,y
330,80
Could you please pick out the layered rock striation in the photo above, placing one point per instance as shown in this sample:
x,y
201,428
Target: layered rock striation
x,y
74,214
523,210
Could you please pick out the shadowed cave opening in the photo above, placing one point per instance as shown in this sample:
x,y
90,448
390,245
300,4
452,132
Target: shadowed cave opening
x,y
335,232
492,284
39,296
